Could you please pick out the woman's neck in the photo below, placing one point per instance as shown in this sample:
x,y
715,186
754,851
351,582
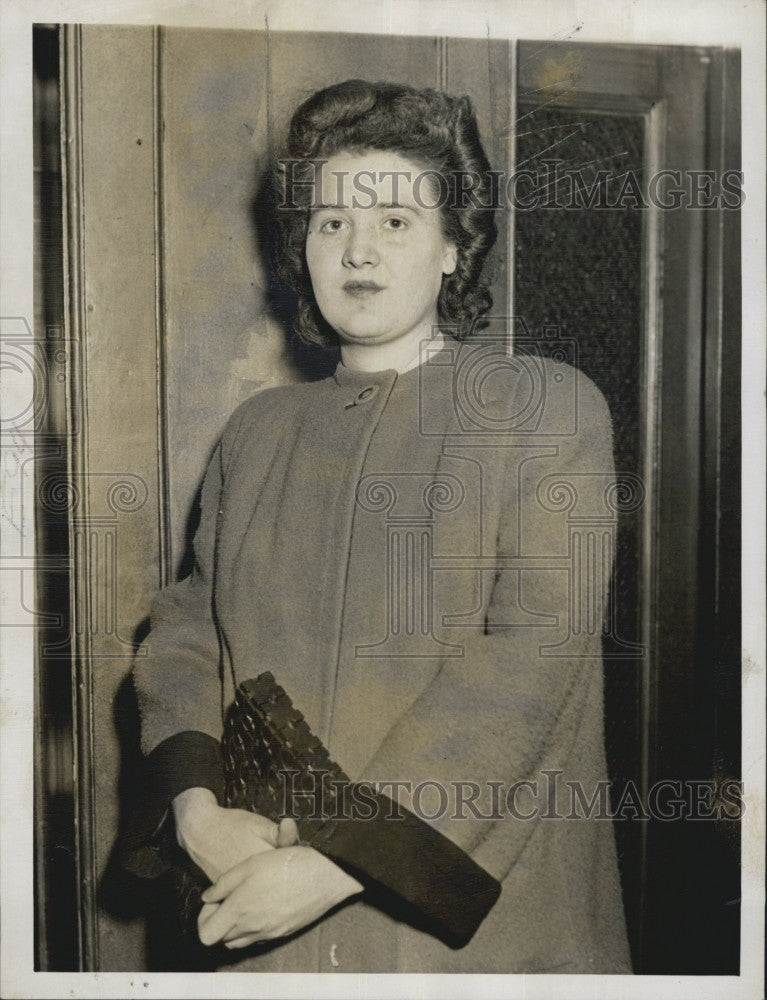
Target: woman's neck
x,y
401,356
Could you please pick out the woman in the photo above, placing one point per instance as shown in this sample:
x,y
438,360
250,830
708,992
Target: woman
x,y
387,542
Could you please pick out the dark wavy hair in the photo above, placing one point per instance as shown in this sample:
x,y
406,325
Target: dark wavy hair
x,y
431,128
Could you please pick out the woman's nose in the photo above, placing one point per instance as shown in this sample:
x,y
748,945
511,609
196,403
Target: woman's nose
x,y
361,247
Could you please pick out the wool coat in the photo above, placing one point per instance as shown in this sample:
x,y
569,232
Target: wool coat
x,y
422,561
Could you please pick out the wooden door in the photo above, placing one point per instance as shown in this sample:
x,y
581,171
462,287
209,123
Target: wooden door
x,y
628,283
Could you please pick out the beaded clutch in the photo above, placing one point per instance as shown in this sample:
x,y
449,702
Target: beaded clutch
x,y
273,765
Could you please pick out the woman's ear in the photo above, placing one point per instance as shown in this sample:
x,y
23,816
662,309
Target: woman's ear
x,y
449,258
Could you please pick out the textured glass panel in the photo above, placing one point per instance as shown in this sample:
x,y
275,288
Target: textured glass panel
x,y
578,276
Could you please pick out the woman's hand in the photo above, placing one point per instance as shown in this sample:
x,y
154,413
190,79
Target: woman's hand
x,y
218,839
270,895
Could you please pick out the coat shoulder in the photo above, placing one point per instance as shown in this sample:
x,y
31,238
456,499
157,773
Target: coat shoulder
x,y
526,392
268,412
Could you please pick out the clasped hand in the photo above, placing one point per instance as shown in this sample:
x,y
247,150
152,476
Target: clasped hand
x,y
265,884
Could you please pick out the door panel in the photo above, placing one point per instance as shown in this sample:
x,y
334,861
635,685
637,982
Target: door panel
x,y
627,283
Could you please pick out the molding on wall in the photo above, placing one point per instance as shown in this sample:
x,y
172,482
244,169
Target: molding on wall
x,y
79,541
158,149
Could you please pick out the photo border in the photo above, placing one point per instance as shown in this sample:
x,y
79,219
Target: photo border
x,y
690,22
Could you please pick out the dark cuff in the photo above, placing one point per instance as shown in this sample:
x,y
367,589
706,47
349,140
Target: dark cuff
x,y
412,867
185,760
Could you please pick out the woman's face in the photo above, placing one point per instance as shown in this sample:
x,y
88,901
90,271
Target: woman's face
x,y
375,249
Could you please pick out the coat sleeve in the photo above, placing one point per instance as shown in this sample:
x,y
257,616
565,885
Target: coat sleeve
x,y
505,709
177,677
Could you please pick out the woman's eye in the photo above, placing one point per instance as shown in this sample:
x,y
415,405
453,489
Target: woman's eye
x,y
395,223
332,226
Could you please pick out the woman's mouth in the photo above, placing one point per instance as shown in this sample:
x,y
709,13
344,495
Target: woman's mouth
x,y
361,289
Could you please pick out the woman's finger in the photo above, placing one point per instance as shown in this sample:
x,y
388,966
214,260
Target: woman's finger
x,y
242,942
287,833
206,913
218,925
227,883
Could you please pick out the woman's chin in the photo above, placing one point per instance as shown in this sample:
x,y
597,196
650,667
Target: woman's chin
x,y
374,337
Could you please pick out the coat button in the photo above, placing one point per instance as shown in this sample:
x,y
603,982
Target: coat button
x,y
367,393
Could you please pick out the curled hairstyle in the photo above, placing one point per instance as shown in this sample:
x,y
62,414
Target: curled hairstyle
x,y
430,128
